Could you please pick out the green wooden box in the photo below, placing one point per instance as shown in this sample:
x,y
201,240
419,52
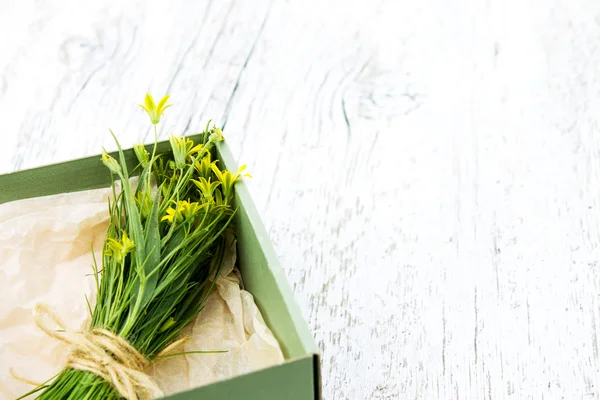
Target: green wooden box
x,y
296,379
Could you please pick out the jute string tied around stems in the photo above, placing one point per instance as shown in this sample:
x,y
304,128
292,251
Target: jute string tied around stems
x,y
107,355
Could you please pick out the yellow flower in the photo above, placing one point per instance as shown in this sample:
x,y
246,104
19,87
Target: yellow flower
x,y
172,215
179,148
198,149
155,111
111,163
189,209
183,210
119,249
190,149
206,187
128,244
216,135
183,148
204,166
227,179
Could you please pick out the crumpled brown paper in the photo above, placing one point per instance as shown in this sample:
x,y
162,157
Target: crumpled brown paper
x,y
46,256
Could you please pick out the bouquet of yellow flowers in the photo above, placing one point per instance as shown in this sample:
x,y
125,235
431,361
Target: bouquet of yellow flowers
x,y
164,248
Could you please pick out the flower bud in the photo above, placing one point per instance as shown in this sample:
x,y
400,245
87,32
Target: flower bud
x,y
111,163
141,154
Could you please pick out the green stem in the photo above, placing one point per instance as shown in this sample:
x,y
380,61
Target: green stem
x,y
132,318
191,352
155,142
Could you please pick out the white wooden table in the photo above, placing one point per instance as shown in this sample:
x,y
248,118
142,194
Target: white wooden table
x,y
429,170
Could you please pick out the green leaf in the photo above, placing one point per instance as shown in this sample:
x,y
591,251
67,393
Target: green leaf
x,y
87,301
153,251
174,242
135,223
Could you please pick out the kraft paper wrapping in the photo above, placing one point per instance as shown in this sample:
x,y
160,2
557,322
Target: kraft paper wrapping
x,y
46,247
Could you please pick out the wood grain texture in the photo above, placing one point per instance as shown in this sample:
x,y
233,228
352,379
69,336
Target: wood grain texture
x,y
428,170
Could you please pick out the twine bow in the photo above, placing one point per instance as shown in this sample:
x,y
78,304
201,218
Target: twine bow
x,y
107,355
